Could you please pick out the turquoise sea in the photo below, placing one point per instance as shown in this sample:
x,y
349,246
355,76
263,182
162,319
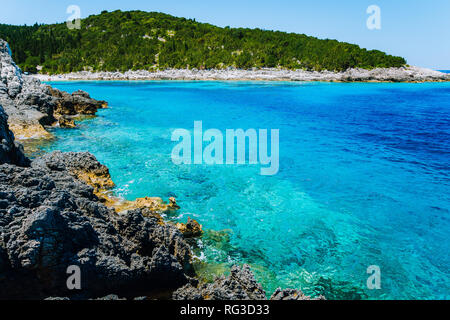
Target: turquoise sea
x,y
364,178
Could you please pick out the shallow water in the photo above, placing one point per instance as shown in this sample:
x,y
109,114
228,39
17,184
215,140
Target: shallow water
x,y
364,177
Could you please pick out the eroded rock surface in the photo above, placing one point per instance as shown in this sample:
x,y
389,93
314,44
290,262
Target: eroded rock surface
x,y
32,105
292,294
50,220
76,103
239,285
191,229
10,151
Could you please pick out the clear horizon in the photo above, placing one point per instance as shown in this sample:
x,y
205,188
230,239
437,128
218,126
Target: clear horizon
x,y
417,31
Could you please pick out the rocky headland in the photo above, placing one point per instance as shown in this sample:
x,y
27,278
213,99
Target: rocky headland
x,y
404,74
57,211
32,106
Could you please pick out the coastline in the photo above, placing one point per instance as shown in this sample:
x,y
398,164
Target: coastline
x,y
49,102
58,212
405,74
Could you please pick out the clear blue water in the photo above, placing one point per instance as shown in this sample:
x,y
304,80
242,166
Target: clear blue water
x,y
444,71
364,177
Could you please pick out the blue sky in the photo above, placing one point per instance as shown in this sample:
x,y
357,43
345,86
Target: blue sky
x,y
415,29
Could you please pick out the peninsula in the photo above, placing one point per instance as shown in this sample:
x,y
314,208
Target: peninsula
x,y
138,45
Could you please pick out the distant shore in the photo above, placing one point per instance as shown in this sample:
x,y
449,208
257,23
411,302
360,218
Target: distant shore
x,y
405,74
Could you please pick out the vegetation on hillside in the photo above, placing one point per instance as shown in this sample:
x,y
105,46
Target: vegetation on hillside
x,y
134,40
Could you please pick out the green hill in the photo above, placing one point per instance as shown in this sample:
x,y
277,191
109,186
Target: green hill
x,y
133,40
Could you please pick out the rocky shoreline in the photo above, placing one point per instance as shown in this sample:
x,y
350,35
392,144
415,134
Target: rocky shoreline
x,y
32,106
56,211
405,74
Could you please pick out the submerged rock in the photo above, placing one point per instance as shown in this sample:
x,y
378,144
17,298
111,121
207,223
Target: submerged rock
x,y
239,285
53,216
151,205
191,229
292,294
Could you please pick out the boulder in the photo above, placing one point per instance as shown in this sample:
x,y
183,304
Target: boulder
x,y
239,285
191,229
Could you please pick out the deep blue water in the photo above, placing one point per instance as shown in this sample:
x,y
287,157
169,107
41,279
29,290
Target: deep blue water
x,y
364,177
444,71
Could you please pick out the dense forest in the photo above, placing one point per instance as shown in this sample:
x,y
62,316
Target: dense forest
x,y
134,40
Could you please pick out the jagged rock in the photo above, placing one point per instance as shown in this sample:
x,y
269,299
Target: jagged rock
x,y
78,102
154,206
81,165
50,220
10,151
65,122
292,294
173,204
10,74
191,229
32,105
239,285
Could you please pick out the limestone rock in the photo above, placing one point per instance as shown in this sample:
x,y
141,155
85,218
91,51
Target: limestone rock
x,y
152,205
291,294
81,165
50,220
78,102
10,151
191,229
65,122
239,285
31,105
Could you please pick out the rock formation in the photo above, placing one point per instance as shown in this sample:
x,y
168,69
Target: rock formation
x,y
292,294
50,220
31,105
10,151
76,103
66,122
53,217
191,229
239,285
